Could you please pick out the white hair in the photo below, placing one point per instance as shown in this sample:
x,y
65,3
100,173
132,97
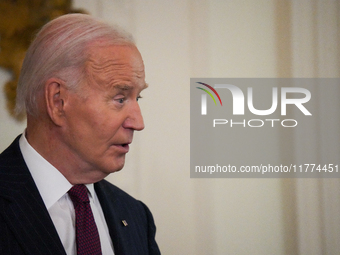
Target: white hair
x,y
60,51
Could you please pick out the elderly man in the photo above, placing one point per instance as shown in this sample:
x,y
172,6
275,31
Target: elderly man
x,y
79,85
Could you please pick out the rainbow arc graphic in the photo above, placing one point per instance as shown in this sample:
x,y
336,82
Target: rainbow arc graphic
x,y
209,93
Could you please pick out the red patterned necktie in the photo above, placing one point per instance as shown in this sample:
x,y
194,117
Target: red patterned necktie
x,y
87,237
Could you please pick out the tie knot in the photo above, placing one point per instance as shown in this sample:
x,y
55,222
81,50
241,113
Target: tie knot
x,y
78,194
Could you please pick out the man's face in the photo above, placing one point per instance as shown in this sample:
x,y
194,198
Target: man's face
x,y
101,118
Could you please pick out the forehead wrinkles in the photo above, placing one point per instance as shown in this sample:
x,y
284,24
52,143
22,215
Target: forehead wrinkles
x,y
112,70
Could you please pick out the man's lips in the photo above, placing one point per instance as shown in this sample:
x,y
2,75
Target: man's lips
x,y
123,147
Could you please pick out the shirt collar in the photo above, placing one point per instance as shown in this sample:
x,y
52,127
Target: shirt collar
x,y
46,177
90,188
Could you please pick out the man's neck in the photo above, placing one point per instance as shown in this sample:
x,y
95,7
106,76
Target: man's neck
x,y
47,140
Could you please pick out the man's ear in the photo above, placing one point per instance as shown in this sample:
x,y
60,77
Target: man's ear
x,y
56,95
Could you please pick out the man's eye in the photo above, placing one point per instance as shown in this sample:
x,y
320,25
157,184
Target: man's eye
x,y
119,100
139,97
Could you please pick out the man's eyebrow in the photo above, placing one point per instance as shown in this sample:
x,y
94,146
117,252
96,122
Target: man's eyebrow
x,y
128,87
122,87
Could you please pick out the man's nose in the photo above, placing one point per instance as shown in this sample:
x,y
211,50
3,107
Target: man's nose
x,y
134,119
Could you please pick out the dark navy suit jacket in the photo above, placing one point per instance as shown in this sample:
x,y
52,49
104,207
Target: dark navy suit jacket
x,y
26,227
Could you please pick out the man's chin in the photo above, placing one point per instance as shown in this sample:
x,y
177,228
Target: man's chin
x,y
117,168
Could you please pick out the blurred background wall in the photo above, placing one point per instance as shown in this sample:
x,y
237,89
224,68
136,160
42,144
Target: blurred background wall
x,y
180,39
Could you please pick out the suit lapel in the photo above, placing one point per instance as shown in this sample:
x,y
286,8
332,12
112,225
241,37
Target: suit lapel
x,y
22,207
112,212
130,238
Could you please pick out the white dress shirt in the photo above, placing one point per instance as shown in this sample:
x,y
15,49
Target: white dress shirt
x,y
53,188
